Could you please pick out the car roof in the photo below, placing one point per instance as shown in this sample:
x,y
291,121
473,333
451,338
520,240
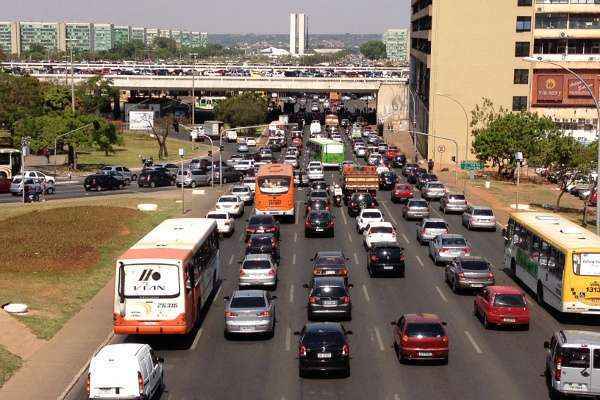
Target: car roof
x,y
262,217
257,257
324,326
481,208
329,281
249,293
434,220
422,317
504,289
569,336
371,210
451,235
381,224
330,253
472,258
119,351
217,212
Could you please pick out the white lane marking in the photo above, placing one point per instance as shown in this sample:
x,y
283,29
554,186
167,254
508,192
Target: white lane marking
x,y
389,213
218,291
291,293
356,259
396,396
349,236
442,295
364,289
343,216
197,338
295,237
405,238
379,340
294,259
473,342
288,339
231,259
419,260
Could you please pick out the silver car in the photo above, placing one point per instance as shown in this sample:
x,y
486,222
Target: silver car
x,y
433,191
193,178
445,248
453,202
249,312
415,209
468,273
429,228
244,193
479,217
258,270
33,186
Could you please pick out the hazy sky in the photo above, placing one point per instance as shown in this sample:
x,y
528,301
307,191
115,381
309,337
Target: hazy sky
x,y
219,16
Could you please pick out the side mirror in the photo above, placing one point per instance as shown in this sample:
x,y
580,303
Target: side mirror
x,y
347,258
161,360
444,323
547,345
349,333
305,286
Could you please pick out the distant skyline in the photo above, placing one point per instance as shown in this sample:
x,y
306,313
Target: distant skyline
x,y
233,16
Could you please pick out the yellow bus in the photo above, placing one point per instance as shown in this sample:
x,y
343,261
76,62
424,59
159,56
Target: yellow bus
x,y
557,259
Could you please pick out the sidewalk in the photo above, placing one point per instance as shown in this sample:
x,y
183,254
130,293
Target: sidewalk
x,y
57,364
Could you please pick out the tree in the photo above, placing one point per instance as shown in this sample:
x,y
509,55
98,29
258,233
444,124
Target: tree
x,y
483,114
95,96
373,50
161,131
243,110
57,98
20,97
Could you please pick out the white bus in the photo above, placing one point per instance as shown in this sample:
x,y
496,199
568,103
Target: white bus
x,y
165,279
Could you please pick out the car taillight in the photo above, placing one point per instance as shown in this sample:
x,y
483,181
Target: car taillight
x,y
230,314
140,383
312,299
491,275
87,384
264,314
423,231
242,273
444,250
302,351
346,350
461,275
467,249
445,339
272,272
353,204
557,367
271,229
404,338
374,258
330,224
307,223
344,272
274,242
346,299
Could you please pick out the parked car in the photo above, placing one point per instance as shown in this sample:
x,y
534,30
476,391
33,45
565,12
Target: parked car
x,y
473,273
330,263
453,202
385,259
232,204
415,209
420,337
319,223
323,347
155,178
445,248
479,217
244,193
366,217
429,228
264,243
125,371
262,223
193,178
258,270
502,306
433,191
402,193
225,222
249,312
379,232
101,182
120,171
329,298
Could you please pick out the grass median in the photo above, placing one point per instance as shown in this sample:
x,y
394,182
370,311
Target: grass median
x,y
9,363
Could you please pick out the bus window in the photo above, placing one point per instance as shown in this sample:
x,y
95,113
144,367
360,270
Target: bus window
x,y
274,184
536,246
544,255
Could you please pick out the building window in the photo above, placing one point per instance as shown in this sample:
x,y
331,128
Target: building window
x,y
523,24
519,103
551,21
524,3
521,76
522,49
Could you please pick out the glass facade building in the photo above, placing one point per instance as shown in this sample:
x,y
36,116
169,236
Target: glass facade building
x,y
44,34
103,37
121,35
396,44
78,36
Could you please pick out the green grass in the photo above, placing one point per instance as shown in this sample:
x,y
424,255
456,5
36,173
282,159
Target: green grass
x,y
57,277
135,144
9,363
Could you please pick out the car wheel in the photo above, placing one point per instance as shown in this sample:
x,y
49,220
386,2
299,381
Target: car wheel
x,y
50,190
193,184
134,177
486,323
455,288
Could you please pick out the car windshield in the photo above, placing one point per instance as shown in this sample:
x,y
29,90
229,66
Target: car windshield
x,y
475,265
382,229
329,291
454,241
420,203
436,185
330,261
483,212
256,264
320,216
317,337
261,220
240,190
228,199
248,302
429,330
509,300
389,253
261,241
457,197
435,225
575,357
363,198
217,216
274,184
318,193
371,214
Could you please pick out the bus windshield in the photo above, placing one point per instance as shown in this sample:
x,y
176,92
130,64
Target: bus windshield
x,y
274,184
147,280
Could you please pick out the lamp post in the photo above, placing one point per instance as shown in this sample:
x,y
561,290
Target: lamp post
x,y
591,93
194,55
443,138
70,42
24,149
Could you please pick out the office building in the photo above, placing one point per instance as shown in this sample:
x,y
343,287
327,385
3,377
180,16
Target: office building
x,y
293,31
298,34
78,36
44,34
164,33
121,35
8,37
138,33
151,34
396,44
103,37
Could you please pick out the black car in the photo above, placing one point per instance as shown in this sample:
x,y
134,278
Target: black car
x,y
323,347
413,176
423,178
154,178
263,243
329,299
399,161
319,223
300,178
261,223
387,180
358,201
409,168
102,182
318,186
316,205
385,259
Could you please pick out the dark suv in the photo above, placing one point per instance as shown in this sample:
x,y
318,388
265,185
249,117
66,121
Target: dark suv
x,y
385,259
358,201
323,347
262,223
329,298
263,243
102,182
154,178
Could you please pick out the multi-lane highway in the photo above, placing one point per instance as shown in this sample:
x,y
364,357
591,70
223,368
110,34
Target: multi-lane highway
x,y
484,364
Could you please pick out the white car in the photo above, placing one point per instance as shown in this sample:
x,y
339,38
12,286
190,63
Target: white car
x,y
250,181
40,176
361,151
232,204
379,232
243,165
315,164
337,137
244,193
381,169
315,173
251,142
366,217
291,160
225,222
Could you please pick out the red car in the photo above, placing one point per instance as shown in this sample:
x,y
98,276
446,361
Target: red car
x,y
502,305
4,185
420,337
402,192
392,152
297,142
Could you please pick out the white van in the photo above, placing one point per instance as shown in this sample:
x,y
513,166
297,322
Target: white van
x,y
125,371
231,135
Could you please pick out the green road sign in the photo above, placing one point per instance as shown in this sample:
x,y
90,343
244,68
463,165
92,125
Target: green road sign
x,y
471,165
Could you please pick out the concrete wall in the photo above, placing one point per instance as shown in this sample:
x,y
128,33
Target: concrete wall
x,y
392,105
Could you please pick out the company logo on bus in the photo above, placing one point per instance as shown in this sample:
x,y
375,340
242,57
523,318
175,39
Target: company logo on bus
x,y
147,273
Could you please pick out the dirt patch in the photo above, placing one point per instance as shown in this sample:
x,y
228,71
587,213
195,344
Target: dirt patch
x,y
62,239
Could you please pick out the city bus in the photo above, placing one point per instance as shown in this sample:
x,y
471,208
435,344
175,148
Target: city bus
x,y
275,190
10,163
555,258
331,153
208,103
165,279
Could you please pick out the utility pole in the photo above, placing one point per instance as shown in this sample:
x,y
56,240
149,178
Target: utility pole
x,y
72,82
519,159
181,155
194,55
24,149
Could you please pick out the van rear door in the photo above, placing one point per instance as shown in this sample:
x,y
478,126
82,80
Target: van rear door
x,y
576,369
595,372
114,379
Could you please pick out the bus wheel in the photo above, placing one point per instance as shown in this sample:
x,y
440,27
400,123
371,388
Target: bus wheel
x,y
540,294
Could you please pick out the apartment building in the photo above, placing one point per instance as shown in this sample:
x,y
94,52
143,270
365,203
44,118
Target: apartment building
x,y
45,34
78,36
121,35
8,37
396,44
103,37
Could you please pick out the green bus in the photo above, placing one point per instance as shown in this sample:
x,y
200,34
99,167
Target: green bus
x,y
331,153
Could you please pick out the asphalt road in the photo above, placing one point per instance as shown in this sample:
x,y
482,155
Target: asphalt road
x,y
496,364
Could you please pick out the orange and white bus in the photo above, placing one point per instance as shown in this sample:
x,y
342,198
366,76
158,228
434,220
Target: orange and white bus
x,y
165,279
275,190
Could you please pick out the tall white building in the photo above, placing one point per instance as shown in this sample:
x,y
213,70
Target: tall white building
x,y
298,34
293,33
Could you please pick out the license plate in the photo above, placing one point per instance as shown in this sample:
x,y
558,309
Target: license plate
x,y
246,328
508,319
319,229
324,355
387,268
329,272
476,285
260,231
576,386
425,354
329,302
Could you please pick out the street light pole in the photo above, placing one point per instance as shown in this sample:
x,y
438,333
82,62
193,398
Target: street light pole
x,y
597,104
24,148
443,138
194,55
72,82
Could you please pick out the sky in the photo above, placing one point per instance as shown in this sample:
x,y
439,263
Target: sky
x,y
219,16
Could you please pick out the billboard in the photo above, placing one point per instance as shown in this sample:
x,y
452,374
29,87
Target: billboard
x,y
578,89
141,120
550,88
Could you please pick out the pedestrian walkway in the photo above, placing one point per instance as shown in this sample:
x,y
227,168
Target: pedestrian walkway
x,y
17,338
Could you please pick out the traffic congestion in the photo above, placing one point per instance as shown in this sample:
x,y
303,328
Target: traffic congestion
x,y
335,268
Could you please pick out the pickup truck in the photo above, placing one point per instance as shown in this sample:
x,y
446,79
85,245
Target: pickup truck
x,y
359,179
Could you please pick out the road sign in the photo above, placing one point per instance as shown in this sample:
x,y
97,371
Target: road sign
x,y
471,165
441,148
